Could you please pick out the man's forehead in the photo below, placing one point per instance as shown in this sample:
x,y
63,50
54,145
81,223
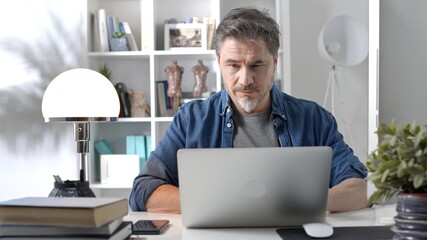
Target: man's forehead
x,y
235,49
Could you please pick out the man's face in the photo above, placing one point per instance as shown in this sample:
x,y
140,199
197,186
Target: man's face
x,y
247,69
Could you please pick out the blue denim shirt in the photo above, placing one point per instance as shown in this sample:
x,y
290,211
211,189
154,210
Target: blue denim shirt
x,y
208,124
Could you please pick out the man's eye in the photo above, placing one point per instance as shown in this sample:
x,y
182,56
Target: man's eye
x,y
256,66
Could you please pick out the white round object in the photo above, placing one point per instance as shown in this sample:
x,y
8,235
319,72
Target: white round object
x,y
343,41
80,93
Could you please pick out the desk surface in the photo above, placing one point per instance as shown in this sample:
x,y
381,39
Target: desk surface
x,y
375,216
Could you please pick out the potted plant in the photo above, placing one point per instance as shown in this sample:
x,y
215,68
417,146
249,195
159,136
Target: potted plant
x,y
105,70
118,42
399,167
399,164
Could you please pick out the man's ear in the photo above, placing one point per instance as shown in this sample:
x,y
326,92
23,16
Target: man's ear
x,y
275,59
217,58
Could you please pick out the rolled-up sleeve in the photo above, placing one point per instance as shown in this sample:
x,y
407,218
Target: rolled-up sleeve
x,y
161,167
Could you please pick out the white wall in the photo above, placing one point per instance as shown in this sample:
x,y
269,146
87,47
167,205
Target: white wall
x,y
308,71
37,42
403,64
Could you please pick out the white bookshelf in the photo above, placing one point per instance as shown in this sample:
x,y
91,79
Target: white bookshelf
x,y
139,70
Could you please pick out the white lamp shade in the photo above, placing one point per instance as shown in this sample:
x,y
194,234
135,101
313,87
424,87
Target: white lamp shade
x,y
80,95
343,41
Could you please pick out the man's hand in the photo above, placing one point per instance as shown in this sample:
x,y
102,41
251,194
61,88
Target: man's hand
x,y
349,195
165,199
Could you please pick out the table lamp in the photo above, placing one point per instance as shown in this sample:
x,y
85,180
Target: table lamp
x,y
80,96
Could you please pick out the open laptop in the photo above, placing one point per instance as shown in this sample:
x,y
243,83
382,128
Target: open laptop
x,y
253,187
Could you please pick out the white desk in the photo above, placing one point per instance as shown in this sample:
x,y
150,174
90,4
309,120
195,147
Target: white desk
x,y
375,216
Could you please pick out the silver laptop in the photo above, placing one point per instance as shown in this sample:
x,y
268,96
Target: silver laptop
x,y
253,187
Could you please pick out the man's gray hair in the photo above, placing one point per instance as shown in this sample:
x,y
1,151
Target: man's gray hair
x,y
248,23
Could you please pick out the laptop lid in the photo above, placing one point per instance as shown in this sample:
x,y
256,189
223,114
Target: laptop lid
x,y
253,187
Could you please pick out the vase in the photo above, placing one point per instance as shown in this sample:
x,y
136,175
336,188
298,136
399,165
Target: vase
x,y
411,219
118,44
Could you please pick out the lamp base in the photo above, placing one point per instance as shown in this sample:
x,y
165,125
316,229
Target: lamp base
x,y
71,189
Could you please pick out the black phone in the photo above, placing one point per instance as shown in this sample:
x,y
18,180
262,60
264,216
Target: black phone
x,y
150,227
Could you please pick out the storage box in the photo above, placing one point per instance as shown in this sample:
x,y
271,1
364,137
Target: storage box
x,y
119,169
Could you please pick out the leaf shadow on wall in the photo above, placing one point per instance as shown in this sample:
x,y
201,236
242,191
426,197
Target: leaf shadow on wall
x,y
22,125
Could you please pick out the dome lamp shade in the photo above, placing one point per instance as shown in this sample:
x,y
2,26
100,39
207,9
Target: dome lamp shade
x,y
343,41
80,95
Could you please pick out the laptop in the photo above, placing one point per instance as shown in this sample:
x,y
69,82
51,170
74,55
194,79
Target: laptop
x,y
253,187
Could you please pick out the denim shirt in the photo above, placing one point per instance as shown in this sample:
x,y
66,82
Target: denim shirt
x,y
208,124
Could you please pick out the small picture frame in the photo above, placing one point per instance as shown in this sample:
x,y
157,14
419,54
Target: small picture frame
x,y
185,36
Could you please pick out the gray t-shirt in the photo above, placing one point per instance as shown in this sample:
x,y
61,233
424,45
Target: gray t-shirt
x,y
254,130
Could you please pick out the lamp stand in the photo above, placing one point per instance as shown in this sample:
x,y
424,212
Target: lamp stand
x,y
77,188
82,137
332,89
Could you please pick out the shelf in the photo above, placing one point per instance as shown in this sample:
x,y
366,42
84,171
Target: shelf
x,y
184,52
109,186
140,70
120,55
135,119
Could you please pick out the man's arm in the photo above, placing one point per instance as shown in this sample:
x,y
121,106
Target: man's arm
x,y
349,195
165,199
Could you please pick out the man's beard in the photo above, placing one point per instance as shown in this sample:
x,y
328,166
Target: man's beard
x,y
248,104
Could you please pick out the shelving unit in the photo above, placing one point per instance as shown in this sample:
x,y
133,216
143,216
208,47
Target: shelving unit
x,y
140,70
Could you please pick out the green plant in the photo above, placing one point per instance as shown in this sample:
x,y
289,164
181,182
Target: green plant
x,y
118,35
399,164
105,70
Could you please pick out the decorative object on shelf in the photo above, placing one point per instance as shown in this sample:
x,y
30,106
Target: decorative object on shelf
x,y
185,36
174,77
105,71
81,96
137,103
399,167
200,72
118,42
125,107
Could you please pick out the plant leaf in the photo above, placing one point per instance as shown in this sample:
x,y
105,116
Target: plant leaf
x,y
418,180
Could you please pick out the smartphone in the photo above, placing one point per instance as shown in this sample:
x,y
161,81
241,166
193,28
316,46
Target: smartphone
x,y
150,227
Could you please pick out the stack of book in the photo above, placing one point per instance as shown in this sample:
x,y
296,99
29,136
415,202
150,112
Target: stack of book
x,y
64,218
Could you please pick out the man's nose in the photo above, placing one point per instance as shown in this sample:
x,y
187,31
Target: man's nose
x,y
245,77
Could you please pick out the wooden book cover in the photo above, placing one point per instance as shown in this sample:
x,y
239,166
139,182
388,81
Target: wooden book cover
x,y
62,211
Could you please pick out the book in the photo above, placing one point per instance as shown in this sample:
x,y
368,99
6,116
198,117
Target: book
x,y
48,230
103,147
131,39
62,211
161,88
210,27
110,29
147,146
140,149
122,232
130,144
103,31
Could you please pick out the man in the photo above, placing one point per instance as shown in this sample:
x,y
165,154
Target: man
x,y
250,112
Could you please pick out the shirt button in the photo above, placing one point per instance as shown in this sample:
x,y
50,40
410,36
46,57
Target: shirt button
x,y
228,110
229,125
